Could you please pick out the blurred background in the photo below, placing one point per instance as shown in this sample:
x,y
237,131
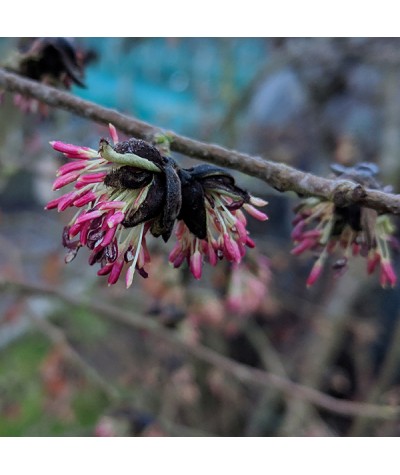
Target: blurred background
x,y
67,369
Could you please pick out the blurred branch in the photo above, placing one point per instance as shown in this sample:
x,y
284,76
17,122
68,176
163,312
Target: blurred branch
x,y
267,407
243,373
325,338
269,402
58,337
277,175
387,374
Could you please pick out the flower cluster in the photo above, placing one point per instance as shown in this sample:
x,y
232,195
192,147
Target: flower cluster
x,y
53,61
248,286
213,225
125,191
324,228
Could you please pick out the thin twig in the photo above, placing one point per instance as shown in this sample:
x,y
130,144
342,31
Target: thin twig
x,y
387,375
239,371
268,405
57,336
325,339
271,399
279,176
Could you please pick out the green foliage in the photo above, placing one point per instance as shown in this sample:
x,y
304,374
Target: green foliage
x,y
20,388
25,407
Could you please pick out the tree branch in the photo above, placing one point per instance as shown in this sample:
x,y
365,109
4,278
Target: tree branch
x,y
279,176
241,372
113,393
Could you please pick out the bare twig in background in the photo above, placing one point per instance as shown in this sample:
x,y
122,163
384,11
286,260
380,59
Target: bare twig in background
x,y
388,371
266,410
58,337
239,371
270,399
323,344
277,175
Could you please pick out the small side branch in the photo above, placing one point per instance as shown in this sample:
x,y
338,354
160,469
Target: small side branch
x,y
279,176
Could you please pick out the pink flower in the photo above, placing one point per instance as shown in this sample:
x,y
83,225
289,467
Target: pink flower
x,y
123,192
315,273
248,286
323,228
212,224
53,61
102,211
388,275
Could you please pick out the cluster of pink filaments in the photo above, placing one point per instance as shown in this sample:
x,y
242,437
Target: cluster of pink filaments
x,y
97,223
248,286
315,230
227,236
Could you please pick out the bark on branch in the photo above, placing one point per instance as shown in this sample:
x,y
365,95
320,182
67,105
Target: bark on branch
x,y
279,176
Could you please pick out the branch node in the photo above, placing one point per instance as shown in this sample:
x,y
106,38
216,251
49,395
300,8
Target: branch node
x,y
347,193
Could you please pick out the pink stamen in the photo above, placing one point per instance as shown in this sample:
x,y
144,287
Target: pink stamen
x,y
85,199
313,233
66,201
241,217
89,216
64,180
231,249
212,256
70,149
107,215
108,237
315,273
70,167
105,270
79,184
112,205
74,230
258,201
372,262
180,230
242,250
115,272
196,265
303,246
257,214
113,133
250,243
92,178
241,230
54,203
297,231
387,275
176,251
84,232
129,276
115,219
177,262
